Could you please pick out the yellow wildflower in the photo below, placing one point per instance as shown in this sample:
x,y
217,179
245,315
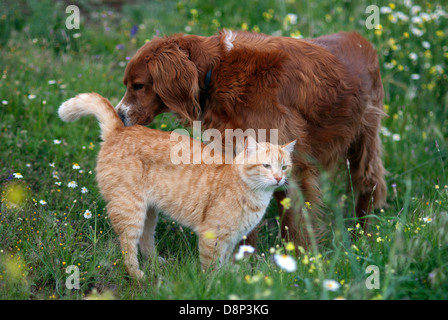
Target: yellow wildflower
x,y
289,246
286,203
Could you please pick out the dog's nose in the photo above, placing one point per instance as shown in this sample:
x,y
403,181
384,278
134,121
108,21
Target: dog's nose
x,y
122,117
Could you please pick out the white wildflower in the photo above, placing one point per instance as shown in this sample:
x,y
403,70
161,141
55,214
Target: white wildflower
x,y
385,10
425,16
413,56
331,285
403,17
17,175
417,20
72,184
427,220
243,250
292,18
285,262
417,32
415,10
385,132
88,214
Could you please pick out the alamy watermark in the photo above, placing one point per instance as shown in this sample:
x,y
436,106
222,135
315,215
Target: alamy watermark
x,y
373,281
373,20
218,150
72,281
74,19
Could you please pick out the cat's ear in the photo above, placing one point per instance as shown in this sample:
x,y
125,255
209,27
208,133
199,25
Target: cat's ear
x,y
250,146
289,147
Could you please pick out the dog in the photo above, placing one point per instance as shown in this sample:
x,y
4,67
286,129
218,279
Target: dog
x,y
326,92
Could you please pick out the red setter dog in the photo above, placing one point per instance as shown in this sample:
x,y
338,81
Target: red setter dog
x,y
325,92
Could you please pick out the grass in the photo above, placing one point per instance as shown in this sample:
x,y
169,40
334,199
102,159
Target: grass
x,y
45,64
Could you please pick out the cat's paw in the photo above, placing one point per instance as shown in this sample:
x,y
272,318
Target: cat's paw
x,y
137,274
140,275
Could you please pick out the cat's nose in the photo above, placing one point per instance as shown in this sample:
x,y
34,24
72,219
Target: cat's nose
x,y
278,178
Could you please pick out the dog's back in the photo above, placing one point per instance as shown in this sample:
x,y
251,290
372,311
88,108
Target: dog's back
x,y
358,55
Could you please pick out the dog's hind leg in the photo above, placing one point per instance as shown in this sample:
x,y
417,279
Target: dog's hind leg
x,y
366,167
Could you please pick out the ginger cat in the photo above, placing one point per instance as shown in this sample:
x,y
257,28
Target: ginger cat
x,y
220,202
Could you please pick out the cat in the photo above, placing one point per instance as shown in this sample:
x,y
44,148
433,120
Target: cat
x,y
220,202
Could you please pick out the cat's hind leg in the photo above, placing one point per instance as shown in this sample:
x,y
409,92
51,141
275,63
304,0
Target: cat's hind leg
x,y
146,243
128,222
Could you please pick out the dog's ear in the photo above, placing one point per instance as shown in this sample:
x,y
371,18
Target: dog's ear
x,y
175,79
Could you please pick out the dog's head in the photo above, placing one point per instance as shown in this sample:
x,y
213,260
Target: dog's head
x,y
160,77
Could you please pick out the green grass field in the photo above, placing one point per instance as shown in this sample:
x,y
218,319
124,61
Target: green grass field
x,y
43,228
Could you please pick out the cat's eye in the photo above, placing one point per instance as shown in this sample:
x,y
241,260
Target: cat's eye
x,y
284,167
266,165
137,86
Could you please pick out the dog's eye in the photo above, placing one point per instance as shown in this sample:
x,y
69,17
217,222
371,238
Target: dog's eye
x,y
137,86
266,165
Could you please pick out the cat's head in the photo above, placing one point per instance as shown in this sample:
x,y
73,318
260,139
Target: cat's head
x,y
264,165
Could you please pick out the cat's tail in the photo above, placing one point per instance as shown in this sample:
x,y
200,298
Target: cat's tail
x,y
93,104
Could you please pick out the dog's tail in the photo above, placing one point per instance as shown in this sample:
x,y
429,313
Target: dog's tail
x,y
93,104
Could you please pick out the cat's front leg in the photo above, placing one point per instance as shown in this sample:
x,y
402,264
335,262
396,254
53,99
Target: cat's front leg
x,y
214,251
207,250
